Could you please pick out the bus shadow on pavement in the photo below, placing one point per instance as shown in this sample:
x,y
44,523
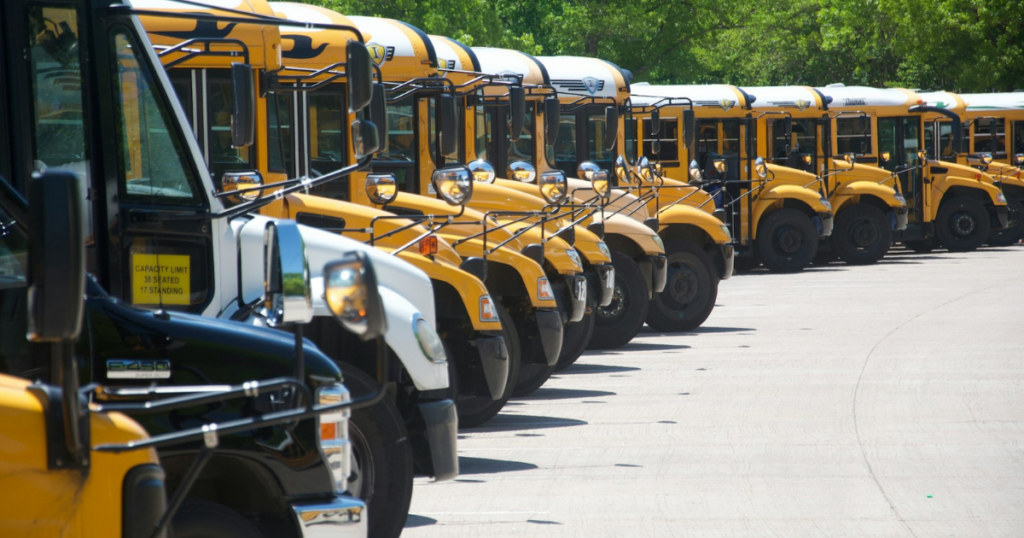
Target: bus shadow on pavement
x,y
583,368
477,466
508,422
412,521
547,393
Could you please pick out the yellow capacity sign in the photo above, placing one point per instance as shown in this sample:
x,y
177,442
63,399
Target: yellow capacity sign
x,y
161,279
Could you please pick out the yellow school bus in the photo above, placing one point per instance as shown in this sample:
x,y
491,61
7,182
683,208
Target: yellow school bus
x,y
617,305
777,215
531,289
950,203
469,320
792,131
994,136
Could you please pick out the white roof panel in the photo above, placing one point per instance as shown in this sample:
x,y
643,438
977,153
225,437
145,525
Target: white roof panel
x,y
716,95
581,76
385,33
504,62
857,96
799,97
447,56
994,101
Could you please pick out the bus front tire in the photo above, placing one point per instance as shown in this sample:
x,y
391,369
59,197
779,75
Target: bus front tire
x,y
478,410
691,290
862,234
962,224
1011,235
577,337
787,241
616,324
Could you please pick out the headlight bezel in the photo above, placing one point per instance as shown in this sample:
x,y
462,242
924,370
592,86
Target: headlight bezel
x,y
337,451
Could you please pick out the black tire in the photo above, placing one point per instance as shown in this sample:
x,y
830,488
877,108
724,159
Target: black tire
x,y
862,234
690,291
786,241
1011,235
616,324
921,247
575,339
476,410
962,224
533,364
383,467
204,519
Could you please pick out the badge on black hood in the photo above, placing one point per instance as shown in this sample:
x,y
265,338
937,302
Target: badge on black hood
x,y
139,369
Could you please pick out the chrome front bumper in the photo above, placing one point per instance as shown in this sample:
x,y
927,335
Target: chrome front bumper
x,y
728,261
341,517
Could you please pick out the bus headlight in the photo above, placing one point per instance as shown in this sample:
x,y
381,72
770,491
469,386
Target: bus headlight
x,y
428,339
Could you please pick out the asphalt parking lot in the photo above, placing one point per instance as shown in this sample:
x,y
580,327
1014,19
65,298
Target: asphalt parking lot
x,y
843,401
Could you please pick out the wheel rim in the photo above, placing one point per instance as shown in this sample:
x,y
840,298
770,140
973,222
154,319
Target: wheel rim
x,y
683,284
788,240
962,224
362,479
863,233
615,308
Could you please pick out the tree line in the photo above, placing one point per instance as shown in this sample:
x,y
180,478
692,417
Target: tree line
x,y
957,45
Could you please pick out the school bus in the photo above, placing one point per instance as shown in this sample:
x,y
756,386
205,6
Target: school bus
x,y
617,288
792,131
950,203
777,215
994,137
422,104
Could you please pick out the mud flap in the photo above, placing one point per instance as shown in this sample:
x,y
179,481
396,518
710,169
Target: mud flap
x,y
441,431
549,327
494,360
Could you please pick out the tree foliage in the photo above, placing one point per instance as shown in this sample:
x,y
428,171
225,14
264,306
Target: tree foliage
x,y
959,45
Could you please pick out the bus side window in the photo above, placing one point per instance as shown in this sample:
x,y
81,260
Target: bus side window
x,y
15,358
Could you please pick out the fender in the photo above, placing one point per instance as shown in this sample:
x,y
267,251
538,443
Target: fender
x,y
775,195
527,269
847,192
684,214
587,244
1009,176
694,196
470,288
633,230
942,183
404,289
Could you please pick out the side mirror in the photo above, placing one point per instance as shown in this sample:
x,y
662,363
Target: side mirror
x,y
993,144
787,126
655,147
359,75
517,109
379,115
611,127
454,184
243,109
655,122
56,260
863,124
364,138
689,127
350,289
235,180
286,289
449,125
552,115
863,147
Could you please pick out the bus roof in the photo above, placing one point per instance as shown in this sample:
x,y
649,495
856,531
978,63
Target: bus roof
x,y
947,100
994,101
864,96
452,54
401,50
724,96
259,39
579,76
508,61
311,47
776,97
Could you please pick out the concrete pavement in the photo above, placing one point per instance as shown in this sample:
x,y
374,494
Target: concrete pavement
x,y
843,401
